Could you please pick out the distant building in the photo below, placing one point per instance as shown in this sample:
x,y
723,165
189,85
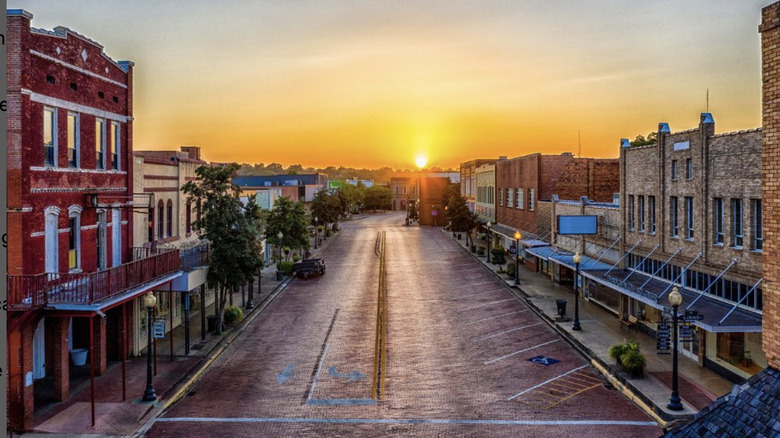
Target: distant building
x,y
365,182
485,199
299,187
432,199
404,191
468,181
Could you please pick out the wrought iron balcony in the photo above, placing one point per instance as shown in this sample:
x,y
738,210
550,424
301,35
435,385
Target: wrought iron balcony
x,y
194,257
31,291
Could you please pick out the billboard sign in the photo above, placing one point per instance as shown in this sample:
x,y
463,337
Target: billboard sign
x,y
577,225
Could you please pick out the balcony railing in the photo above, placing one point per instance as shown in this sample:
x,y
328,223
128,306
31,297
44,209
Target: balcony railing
x,y
191,258
87,288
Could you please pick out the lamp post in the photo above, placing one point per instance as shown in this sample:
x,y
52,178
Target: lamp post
x,y
149,302
518,236
316,232
488,234
577,258
675,299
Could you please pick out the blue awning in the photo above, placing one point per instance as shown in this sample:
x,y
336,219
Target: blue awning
x,y
547,252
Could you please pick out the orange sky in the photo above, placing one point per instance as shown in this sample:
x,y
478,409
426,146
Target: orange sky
x,y
371,84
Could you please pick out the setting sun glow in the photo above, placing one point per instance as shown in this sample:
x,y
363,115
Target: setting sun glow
x,y
421,161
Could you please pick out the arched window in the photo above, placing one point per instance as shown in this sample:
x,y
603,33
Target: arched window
x,y
160,219
52,244
74,238
150,224
169,218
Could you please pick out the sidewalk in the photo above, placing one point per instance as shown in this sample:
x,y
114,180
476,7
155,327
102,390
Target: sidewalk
x,y
698,386
173,379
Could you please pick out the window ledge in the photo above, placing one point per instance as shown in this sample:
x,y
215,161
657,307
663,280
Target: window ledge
x,y
735,247
652,233
689,239
674,237
757,251
718,244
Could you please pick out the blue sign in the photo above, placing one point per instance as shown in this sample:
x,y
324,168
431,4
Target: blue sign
x,y
543,360
577,225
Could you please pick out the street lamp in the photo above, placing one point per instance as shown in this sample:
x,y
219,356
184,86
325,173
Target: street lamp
x,y
149,302
675,299
488,239
518,236
316,232
577,257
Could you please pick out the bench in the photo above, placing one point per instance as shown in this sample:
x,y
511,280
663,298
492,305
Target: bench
x,y
631,322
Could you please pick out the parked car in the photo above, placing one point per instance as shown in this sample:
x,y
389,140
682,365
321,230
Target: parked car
x,y
309,266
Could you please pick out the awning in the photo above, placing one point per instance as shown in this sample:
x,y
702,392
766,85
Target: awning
x,y
586,262
547,252
655,293
509,232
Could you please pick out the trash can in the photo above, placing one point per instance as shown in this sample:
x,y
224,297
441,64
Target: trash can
x,y
79,356
561,305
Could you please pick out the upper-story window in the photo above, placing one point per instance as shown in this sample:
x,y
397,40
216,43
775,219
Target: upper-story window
x,y
674,223
188,218
737,231
49,137
74,241
150,224
651,213
73,140
689,220
758,228
100,144
169,218
717,210
160,217
519,198
689,168
674,170
114,138
641,213
500,197
531,199
631,221
509,200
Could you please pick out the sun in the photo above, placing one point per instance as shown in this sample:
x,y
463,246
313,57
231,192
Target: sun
x,y
421,161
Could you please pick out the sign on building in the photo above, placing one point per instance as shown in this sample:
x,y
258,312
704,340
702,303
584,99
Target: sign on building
x,y
333,185
577,225
158,329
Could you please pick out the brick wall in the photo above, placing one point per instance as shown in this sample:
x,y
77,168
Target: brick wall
x,y
432,192
597,179
770,50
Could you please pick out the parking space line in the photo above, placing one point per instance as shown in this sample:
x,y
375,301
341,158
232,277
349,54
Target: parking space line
x,y
507,331
546,382
487,304
496,316
521,351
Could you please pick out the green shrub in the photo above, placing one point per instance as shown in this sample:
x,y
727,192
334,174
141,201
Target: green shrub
x,y
296,258
285,267
497,256
481,250
617,350
510,271
633,361
233,315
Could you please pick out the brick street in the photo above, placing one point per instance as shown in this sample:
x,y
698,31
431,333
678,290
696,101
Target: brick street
x,y
457,364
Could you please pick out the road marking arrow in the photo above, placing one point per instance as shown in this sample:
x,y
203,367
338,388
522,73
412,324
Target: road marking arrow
x,y
354,376
284,375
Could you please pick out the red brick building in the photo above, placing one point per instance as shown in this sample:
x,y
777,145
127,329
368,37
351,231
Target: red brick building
x,y
71,265
524,181
432,195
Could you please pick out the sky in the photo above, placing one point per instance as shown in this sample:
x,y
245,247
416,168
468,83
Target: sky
x,y
368,83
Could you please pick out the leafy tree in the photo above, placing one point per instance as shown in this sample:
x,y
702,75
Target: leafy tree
x,y
640,140
290,218
232,229
379,198
352,197
462,220
326,207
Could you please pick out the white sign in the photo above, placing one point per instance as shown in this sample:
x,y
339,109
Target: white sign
x,y
682,146
158,329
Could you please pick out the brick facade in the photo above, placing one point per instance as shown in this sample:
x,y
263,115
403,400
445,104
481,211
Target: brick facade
x,y
468,181
432,193
65,97
770,50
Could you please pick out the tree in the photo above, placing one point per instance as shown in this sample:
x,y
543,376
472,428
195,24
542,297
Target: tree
x,y
326,207
379,198
232,229
352,197
642,141
462,220
290,218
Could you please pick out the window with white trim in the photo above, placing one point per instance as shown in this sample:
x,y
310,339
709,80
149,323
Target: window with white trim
x,y
73,139
689,219
50,137
500,197
651,212
74,241
641,213
531,199
631,220
520,198
689,168
114,146
100,144
509,198
758,228
674,223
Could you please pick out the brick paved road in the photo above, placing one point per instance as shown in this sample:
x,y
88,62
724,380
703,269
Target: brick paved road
x,y
459,345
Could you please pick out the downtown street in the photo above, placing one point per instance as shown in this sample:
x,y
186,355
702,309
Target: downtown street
x,y
452,356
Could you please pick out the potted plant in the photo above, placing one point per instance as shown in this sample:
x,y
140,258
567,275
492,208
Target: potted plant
x,y
510,271
481,250
633,361
497,256
233,316
617,350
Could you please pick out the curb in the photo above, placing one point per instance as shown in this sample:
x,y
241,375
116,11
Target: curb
x,y
616,380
